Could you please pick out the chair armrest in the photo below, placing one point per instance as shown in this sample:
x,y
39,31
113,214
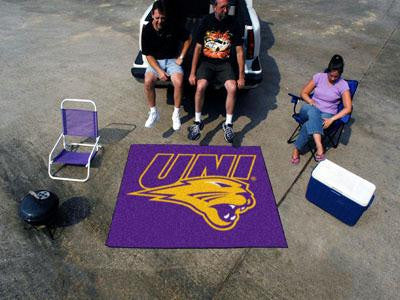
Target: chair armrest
x,y
55,146
295,99
95,147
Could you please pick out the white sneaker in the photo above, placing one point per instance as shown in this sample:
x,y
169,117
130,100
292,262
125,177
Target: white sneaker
x,y
176,121
153,118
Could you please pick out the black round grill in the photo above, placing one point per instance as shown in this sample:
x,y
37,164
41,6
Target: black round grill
x,y
39,208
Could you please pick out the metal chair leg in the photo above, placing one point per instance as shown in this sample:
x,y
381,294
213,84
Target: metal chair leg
x,y
295,133
332,136
51,234
338,138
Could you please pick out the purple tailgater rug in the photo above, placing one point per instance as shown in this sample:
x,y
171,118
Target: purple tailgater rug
x,y
175,196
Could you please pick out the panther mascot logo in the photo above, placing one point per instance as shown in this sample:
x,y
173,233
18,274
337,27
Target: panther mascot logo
x,y
219,200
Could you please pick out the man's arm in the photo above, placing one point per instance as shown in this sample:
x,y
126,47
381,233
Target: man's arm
x,y
147,50
154,64
195,61
184,50
240,61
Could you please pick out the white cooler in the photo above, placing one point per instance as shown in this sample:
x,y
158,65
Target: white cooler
x,y
339,192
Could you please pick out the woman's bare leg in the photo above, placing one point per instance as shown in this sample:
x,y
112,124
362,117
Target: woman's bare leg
x,y
295,153
318,143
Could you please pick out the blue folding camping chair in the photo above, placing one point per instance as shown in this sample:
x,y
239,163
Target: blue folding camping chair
x,y
333,132
76,123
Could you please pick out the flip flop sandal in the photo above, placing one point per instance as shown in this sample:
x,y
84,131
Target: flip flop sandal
x,y
320,157
295,160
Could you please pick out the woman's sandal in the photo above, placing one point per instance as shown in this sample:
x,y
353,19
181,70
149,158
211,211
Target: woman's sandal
x,y
295,160
320,157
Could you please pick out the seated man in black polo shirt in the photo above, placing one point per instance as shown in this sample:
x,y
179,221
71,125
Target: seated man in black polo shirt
x,y
218,33
161,43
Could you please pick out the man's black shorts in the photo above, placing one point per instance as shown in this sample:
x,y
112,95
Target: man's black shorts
x,y
216,73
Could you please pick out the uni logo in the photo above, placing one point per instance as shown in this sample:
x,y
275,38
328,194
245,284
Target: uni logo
x,y
213,186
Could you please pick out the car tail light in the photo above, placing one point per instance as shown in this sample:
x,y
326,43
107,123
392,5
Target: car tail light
x,y
250,44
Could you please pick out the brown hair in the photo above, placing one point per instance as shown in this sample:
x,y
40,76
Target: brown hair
x,y
336,64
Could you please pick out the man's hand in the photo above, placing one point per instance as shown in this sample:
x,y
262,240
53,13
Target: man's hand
x,y
192,79
327,122
240,83
179,61
163,75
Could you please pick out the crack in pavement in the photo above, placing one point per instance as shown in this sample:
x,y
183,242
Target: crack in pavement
x,y
372,63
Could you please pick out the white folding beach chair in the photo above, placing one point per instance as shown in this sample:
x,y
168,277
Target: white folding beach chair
x,y
76,122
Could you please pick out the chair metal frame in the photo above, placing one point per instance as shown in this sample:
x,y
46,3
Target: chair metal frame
x,y
332,131
66,146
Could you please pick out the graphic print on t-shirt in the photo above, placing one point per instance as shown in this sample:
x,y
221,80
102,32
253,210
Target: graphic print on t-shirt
x,y
217,44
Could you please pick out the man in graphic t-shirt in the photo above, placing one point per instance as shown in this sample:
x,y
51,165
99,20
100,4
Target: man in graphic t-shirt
x,y
162,46
218,34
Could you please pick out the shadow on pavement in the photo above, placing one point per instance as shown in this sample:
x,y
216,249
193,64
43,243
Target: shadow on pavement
x,y
73,211
262,99
115,132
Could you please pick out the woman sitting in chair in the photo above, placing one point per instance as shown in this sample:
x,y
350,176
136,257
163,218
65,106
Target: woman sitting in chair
x,y
321,110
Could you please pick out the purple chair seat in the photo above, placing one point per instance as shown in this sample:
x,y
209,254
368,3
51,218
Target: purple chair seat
x,y
73,158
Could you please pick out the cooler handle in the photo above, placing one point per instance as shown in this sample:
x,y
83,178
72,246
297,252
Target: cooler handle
x,y
336,192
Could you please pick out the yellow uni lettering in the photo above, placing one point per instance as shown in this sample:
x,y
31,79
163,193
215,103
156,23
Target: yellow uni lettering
x,y
165,168
244,167
211,165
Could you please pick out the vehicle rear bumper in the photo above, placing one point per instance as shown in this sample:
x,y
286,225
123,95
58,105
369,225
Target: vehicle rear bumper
x,y
252,77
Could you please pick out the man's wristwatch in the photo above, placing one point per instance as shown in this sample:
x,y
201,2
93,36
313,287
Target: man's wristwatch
x,y
181,57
